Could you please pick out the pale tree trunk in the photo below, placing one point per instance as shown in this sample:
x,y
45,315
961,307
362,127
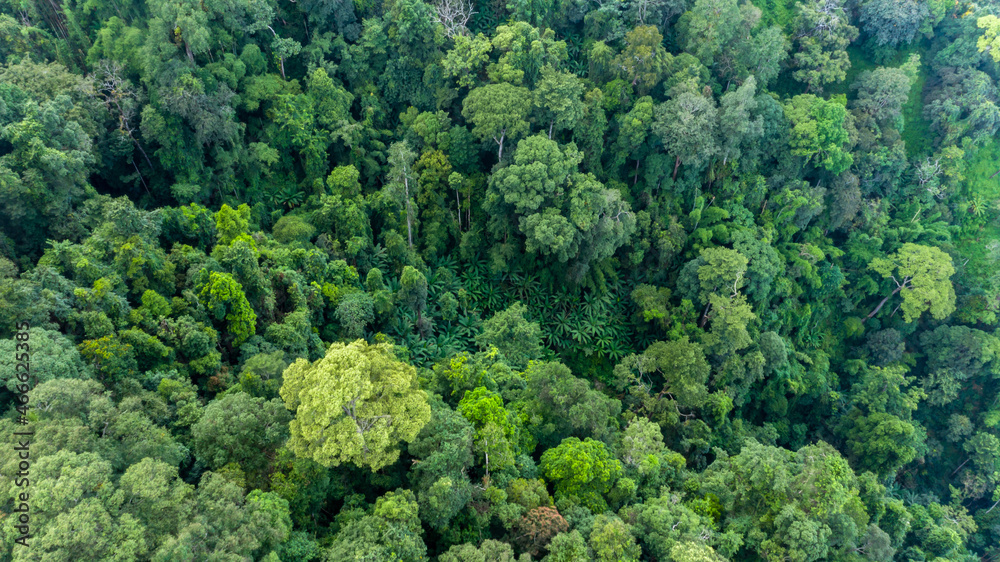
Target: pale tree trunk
x,y
409,218
899,287
677,164
503,134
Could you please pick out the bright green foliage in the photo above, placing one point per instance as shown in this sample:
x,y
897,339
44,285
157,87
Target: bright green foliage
x,y
611,540
232,223
641,445
354,405
818,131
558,100
694,552
111,360
566,547
498,112
291,228
391,532
922,277
582,471
988,42
498,433
524,51
223,296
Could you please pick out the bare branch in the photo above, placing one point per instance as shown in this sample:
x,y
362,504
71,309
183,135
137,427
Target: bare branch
x,y
454,15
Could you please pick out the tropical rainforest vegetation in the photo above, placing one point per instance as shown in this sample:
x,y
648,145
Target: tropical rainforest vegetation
x,y
491,280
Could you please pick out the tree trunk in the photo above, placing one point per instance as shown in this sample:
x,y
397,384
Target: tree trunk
x,y
553,123
636,179
500,142
458,208
677,164
409,218
881,304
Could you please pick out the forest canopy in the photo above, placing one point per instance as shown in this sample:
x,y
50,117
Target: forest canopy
x,y
478,280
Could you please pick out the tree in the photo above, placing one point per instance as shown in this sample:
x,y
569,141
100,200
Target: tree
x,y
356,311
47,354
882,93
644,60
238,428
642,443
539,526
228,524
740,126
818,129
557,99
444,448
401,159
454,15
354,405
582,471
518,340
633,130
882,443
923,281
413,291
612,540
563,214
687,124
489,551
498,112
524,50
564,405
823,30
223,296
708,26
499,437
989,41
891,22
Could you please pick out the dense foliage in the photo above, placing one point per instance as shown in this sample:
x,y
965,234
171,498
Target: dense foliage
x,y
475,280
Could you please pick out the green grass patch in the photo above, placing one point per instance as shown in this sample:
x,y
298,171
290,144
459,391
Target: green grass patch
x,y
778,12
916,129
980,189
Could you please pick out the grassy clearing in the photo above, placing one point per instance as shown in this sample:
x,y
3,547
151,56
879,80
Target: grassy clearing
x,y
776,12
981,190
